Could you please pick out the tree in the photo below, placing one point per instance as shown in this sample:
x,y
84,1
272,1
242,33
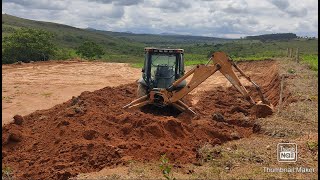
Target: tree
x,y
27,45
90,50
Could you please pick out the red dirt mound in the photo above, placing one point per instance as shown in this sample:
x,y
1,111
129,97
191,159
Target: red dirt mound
x,y
92,131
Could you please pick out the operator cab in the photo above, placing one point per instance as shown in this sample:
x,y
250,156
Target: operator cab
x,y
162,67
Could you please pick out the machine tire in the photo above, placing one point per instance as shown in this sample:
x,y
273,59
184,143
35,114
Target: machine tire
x,y
141,90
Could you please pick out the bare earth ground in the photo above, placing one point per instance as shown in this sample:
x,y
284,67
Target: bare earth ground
x,y
36,86
30,87
24,91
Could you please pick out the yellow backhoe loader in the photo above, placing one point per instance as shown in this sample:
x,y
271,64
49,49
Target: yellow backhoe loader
x,y
163,80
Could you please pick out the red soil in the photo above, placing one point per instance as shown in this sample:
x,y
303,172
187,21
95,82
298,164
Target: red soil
x,y
92,131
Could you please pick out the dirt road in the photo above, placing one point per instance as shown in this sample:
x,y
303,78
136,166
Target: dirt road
x,y
41,85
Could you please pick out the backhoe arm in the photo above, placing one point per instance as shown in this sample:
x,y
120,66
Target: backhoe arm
x,y
221,62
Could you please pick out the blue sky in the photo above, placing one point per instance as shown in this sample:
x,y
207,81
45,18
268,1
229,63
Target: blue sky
x,y
217,18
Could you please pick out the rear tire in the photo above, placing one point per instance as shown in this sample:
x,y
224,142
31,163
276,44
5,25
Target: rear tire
x,y
141,90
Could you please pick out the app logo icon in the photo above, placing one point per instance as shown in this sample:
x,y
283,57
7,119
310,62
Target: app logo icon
x,y
287,152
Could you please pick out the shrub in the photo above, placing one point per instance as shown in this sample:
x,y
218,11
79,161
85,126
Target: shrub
x,y
27,45
64,53
166,168
90,50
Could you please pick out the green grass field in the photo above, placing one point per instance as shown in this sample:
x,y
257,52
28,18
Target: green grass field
x,y
311,60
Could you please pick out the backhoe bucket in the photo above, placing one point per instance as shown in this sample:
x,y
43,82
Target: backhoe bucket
x,y
262,110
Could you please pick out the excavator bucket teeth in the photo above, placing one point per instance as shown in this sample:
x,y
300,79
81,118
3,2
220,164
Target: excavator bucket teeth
x,y
262,110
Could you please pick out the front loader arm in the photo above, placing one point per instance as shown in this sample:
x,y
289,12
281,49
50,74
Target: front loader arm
x,y
200,74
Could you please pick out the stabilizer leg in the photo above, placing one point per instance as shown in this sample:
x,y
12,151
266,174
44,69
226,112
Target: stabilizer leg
x,y
186,107
138,102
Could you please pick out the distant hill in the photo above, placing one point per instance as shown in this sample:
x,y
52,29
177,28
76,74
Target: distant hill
x,y
278,36
71,37
90,28
166,39
166,33
113,42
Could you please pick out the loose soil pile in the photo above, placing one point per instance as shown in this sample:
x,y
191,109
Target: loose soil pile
x,y
92,131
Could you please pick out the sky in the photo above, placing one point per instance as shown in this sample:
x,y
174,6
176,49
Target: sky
x,y
215,18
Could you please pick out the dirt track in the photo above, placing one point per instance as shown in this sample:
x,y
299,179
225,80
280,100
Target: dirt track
x,y
91,131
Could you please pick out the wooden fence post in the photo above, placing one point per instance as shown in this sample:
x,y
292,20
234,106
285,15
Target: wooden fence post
x,y
287,52
281,90
290,52
297,55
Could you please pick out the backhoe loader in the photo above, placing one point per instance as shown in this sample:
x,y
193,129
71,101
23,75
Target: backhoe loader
x,y
163,80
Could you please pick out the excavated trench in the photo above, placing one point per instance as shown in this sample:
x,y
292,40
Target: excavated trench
x,y
92,131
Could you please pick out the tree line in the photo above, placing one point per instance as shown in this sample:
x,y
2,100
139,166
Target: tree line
x,y
277,36
28,44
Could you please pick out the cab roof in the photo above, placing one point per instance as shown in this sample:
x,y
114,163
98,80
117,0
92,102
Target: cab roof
x,y
163,50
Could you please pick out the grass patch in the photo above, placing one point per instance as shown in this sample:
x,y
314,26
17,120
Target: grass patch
x,y
166,168
311,60
7,173
194,59
137,65
313,146
252,58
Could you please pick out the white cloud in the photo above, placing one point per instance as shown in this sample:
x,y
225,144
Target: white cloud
x,y
220,18
281,4
170,5
38,4
239,6
119,2
293,9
